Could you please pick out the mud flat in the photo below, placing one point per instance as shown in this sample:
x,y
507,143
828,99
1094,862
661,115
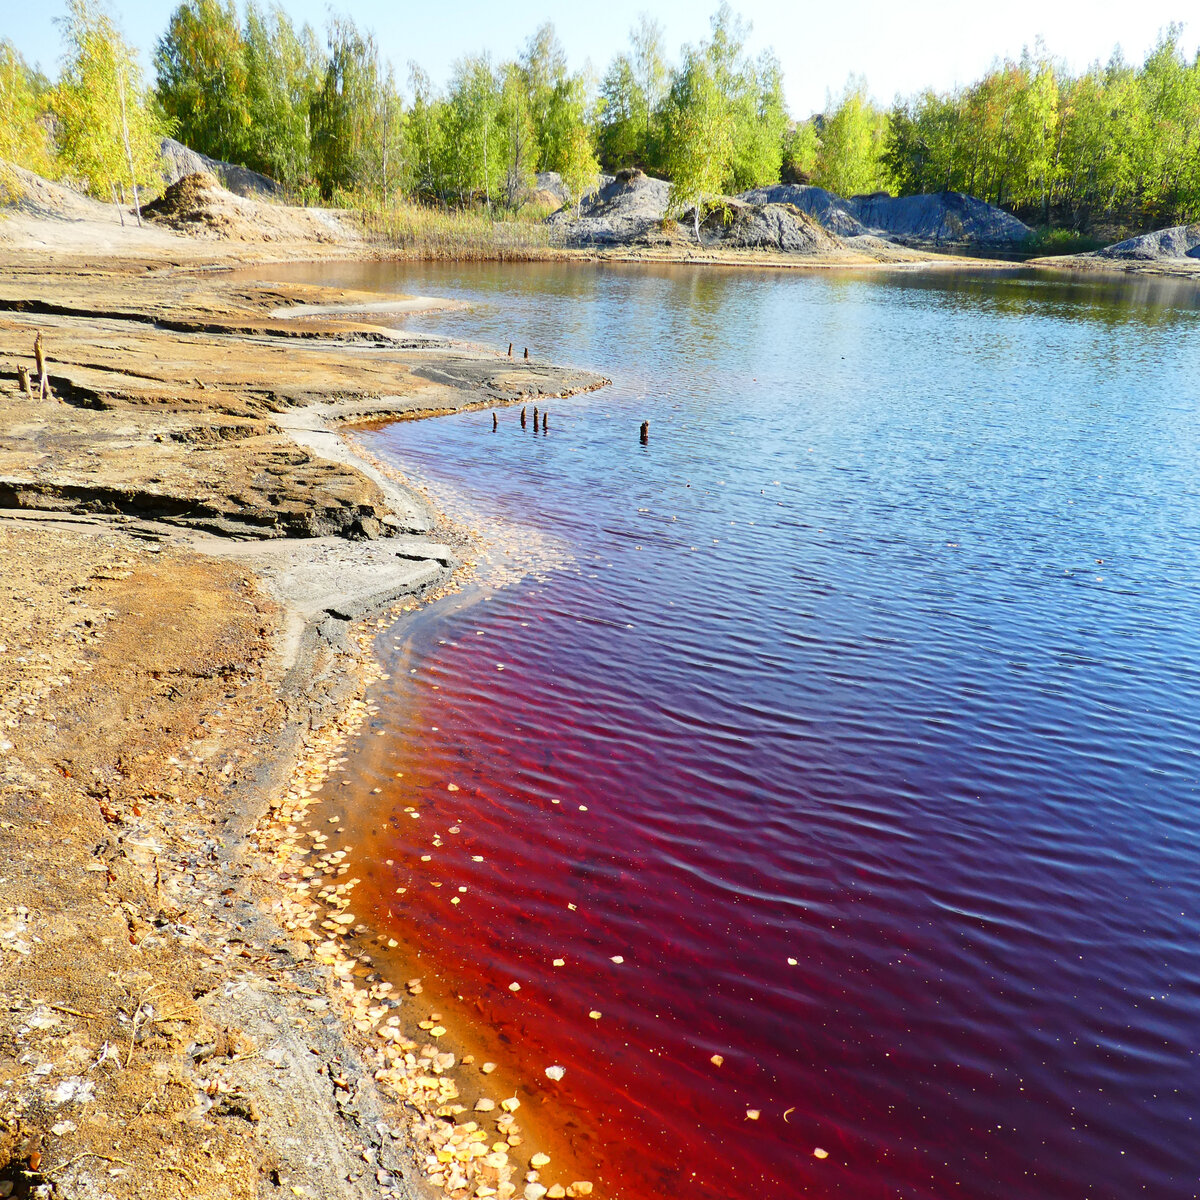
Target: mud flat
x,y
190,555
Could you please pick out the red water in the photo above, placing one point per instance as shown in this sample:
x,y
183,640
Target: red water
x,y
859,723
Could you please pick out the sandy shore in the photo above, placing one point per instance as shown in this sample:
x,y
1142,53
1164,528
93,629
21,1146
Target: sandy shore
x,y
195,565
191,558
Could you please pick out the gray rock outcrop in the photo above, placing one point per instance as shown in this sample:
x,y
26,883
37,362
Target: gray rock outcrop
x,y
824,207
179,161
629,207
780,227
938,219
1180,241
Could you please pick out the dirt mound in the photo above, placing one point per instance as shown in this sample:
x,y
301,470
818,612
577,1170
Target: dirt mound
x,y
198,205
781,227
627,209
944,218
178,161
829,210
1178,242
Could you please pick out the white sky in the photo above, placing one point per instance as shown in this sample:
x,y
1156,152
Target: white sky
x,y
901,48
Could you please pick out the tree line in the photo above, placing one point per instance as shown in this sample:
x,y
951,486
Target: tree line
x,y
327,116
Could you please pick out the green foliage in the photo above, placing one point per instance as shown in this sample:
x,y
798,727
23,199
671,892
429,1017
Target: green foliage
x,y
520,137
283,70
799,160
724,117
355,115
558,104
629,131
107,134
1116,142
850,145
699,134
200,64
474,142
23,139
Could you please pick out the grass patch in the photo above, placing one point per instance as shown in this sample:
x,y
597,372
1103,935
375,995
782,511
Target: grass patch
x,y
459,235
1047,241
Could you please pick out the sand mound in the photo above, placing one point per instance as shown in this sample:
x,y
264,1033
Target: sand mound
x,y
1178,242
25,192
39,215
781,227
178,160
627,209
198,205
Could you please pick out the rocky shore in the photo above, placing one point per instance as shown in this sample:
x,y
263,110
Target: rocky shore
x,y
190,555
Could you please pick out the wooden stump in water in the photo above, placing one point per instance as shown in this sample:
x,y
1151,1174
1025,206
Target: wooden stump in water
x,y
645,435
545,421
523,417
526,351
495,423
510,349
535,418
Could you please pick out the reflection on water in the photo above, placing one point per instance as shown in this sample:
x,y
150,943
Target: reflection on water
x,y
860,729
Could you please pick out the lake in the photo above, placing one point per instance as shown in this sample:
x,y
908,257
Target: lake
x,y
840,741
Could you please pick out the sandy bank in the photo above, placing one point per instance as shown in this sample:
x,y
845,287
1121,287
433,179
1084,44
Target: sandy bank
x,y
189,548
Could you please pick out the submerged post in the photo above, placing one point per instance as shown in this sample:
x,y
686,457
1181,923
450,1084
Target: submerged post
x,y
495,423
535,418
545,421
645,438
523,416
526,351
510,349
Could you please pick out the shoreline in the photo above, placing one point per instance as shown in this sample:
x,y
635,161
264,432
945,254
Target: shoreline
x,y
109,483
323,593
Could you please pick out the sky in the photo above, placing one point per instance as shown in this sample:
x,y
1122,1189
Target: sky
x,y
900,48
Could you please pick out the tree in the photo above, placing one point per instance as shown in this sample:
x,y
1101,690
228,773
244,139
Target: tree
x,y
23,139
631,94
351,112
283,71
474,139
107,135
424,134
848,160
558,111
202,81
520,138
699,134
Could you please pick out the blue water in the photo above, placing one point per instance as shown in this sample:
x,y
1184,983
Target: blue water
x,y
881,656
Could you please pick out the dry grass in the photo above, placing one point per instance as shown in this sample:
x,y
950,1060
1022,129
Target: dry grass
x,y
424,232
